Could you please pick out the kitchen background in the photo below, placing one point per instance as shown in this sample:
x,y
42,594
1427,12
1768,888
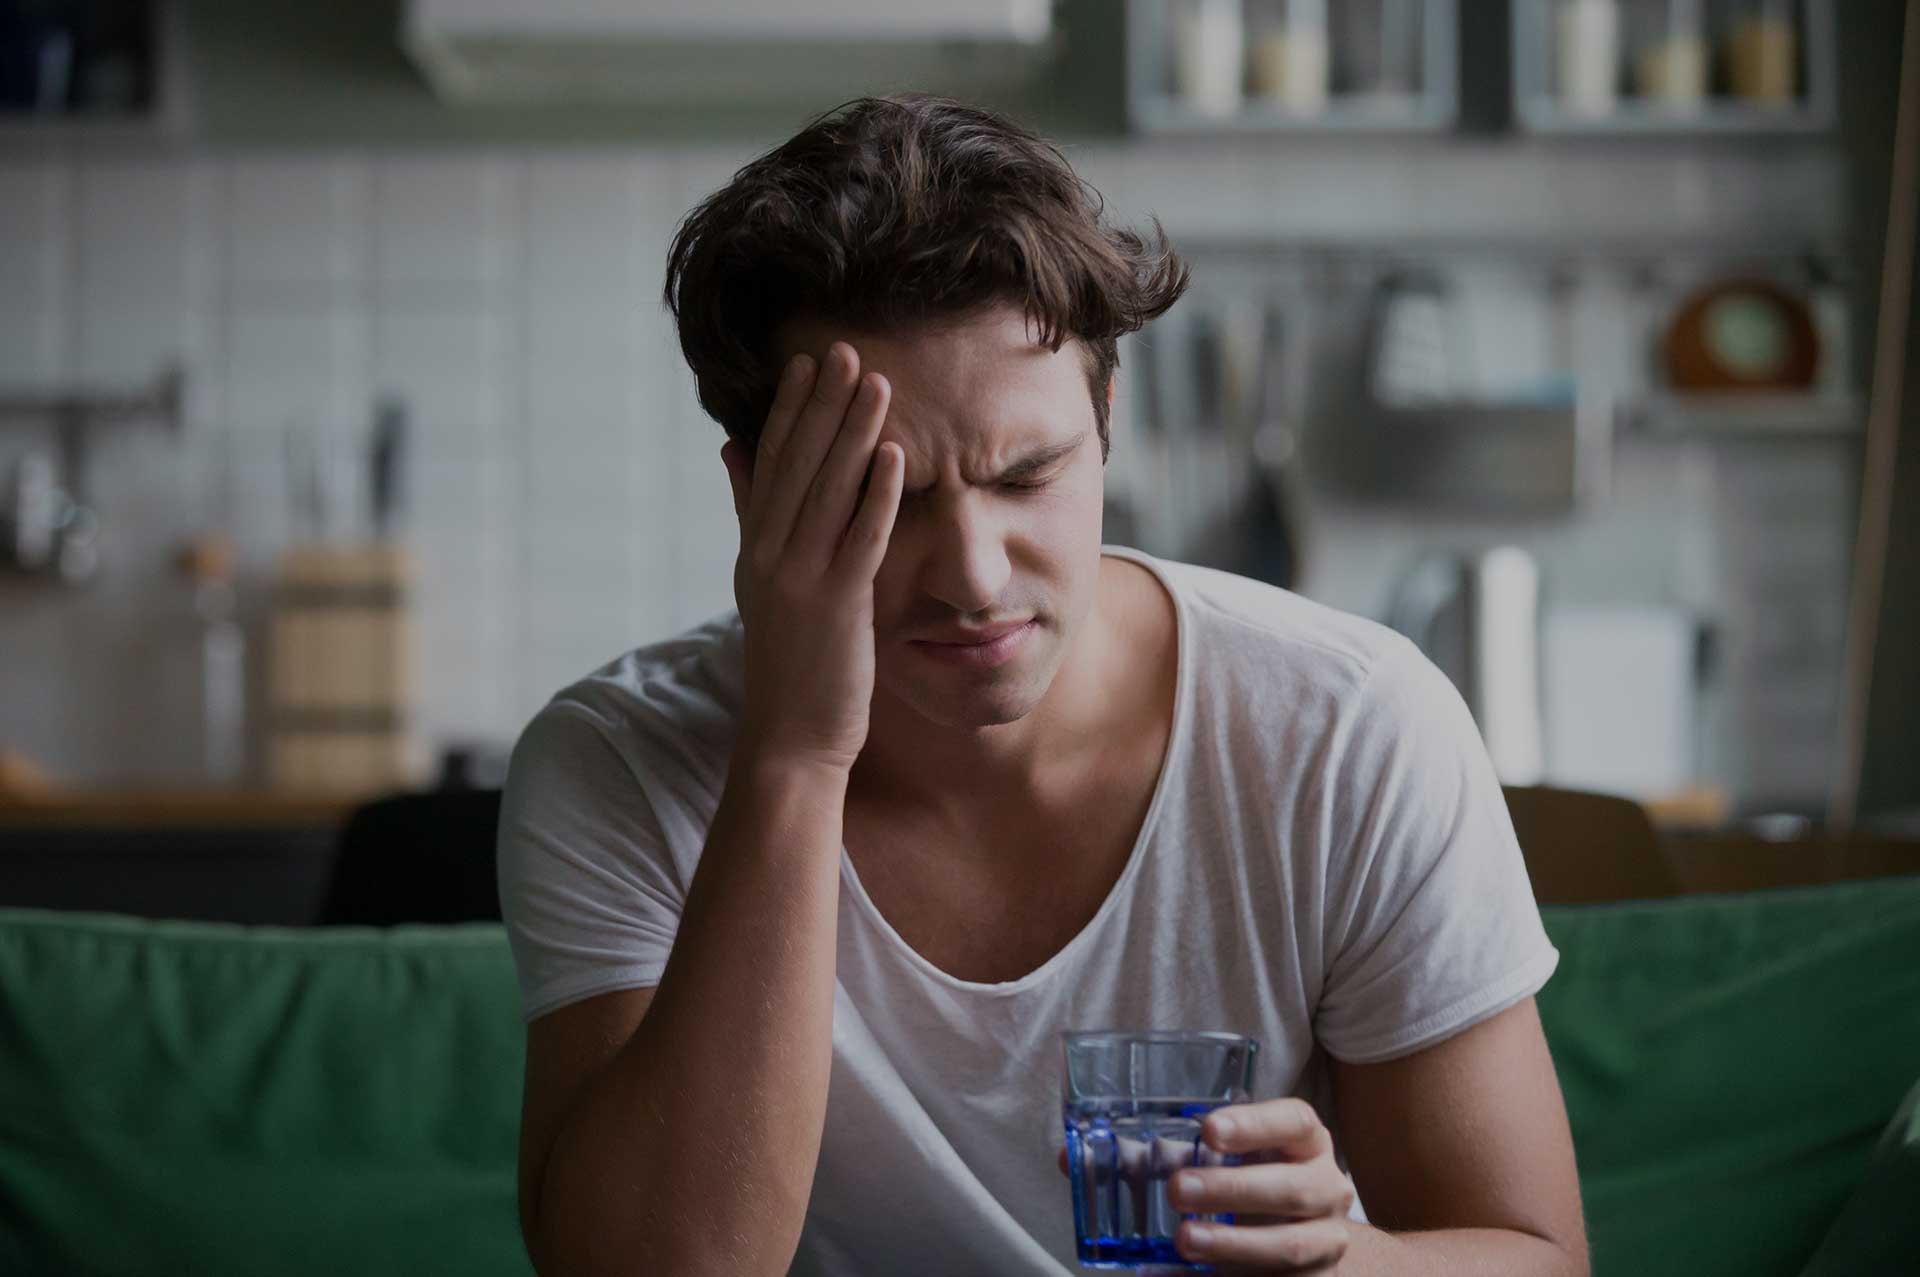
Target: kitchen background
x,y
1441,259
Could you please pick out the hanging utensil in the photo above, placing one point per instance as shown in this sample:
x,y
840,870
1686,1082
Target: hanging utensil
x,y
1200,419
1275,539
387,459
1208,368
1155,493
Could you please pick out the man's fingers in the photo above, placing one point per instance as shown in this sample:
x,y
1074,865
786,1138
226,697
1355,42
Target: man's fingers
x,y
829,508
1309,1247
1285,1190
866,540
1289,1128
789,397
786,476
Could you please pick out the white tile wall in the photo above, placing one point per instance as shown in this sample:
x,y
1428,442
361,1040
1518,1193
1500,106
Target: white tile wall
x,y
128,346
149,235
148,274
453,365
565,494
33,348
34,201
299,227
36,276
583,229
445,224
294,368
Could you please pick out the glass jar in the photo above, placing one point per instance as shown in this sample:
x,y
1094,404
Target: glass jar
x,y
1670,57
1208,39
1587,56
1763,52
1288,59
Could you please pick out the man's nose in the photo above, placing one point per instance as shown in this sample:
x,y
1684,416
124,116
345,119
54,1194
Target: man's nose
x,y
966,566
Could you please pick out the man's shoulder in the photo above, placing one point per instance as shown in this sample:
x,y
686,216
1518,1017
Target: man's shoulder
x,y
670,694
1244,628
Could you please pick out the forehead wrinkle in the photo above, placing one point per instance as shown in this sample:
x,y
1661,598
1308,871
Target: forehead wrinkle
x,y
957,448
950,385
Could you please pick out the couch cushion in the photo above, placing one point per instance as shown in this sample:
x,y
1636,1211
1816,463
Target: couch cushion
x,y
214,1099
1728,1062
1879,1228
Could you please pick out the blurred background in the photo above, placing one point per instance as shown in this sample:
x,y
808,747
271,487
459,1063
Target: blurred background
x,y
341,423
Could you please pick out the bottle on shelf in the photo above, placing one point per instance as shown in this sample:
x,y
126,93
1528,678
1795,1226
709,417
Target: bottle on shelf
x,y
1670,66
1289,56
1587,49
1763,53
1209,55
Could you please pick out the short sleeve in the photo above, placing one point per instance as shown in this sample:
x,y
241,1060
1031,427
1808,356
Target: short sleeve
x,y
1430,921
587,882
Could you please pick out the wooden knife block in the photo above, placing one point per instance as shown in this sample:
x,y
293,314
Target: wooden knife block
x,y
340,668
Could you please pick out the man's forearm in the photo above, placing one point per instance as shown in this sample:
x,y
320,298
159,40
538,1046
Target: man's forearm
x,y
1481,1252
692,1152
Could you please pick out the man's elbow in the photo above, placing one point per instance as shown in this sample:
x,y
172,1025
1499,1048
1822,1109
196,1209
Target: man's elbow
x,y
1574,1261
532,1238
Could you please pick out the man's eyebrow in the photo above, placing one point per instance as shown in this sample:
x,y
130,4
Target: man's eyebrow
x,y
1040,458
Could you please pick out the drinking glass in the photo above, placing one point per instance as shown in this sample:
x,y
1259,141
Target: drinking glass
x,y
1133,1103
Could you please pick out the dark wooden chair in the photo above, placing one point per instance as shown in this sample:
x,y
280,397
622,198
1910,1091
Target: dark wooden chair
x,y
1583,848
425,857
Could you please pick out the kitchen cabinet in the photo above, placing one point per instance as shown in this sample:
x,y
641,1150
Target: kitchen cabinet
x,y
111,71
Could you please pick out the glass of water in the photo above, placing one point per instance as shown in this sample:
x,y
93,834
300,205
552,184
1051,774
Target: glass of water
x,y
1133,1103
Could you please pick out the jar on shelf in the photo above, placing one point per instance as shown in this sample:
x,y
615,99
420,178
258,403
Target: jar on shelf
x,y
1670,59
1377,47
1763,52
1289,62
1209,55
1587,56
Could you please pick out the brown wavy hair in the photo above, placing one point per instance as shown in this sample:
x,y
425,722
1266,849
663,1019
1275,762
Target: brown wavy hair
x,y
891,212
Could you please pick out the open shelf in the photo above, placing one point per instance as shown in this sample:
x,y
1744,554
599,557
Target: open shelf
x,y
1428,103
1542,105
1713,120
162,115
1771,414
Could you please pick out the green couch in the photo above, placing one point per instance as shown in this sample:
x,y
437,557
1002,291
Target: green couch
x,y
209,1099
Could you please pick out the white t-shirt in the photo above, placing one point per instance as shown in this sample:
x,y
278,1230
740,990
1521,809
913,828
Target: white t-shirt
x,y
1327,865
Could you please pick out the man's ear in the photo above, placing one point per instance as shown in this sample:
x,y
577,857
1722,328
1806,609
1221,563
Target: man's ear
x,y
739,464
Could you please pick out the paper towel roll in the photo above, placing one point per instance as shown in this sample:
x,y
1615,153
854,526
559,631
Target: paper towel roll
x,y
1506,674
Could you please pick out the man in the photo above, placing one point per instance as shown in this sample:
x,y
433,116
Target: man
x,y
802,899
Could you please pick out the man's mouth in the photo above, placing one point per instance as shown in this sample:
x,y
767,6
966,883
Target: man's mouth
x,y
976,634
981,648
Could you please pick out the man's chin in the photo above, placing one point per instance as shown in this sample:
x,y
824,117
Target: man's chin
x,y
978,714
965,704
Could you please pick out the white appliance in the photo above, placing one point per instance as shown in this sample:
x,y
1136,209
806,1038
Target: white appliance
x,y
721,51
1621,698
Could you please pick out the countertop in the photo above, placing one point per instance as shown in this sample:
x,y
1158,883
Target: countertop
x,y
176,809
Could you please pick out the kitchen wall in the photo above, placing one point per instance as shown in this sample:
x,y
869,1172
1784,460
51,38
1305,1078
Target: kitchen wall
x,y
566,498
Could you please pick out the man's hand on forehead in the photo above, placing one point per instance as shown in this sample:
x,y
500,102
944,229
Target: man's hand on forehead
x,y
816,506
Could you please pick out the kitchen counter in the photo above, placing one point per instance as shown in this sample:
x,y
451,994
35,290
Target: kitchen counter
x,y
1737,861
176,809
247,857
